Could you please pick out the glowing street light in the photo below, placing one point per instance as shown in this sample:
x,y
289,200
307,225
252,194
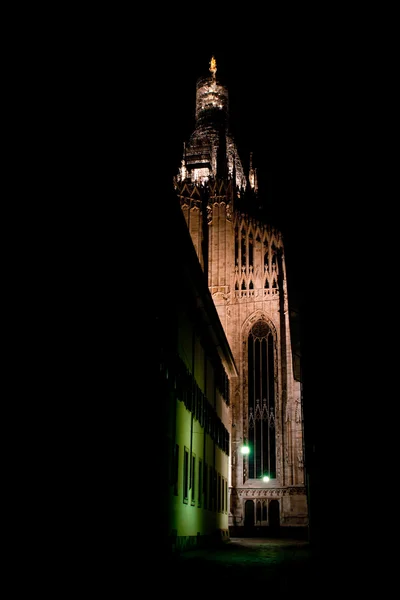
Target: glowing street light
x,y
265,478
244,449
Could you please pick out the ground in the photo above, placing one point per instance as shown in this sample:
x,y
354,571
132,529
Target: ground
x,y
286,566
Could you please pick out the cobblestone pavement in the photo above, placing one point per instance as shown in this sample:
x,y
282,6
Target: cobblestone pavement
x,y
286,566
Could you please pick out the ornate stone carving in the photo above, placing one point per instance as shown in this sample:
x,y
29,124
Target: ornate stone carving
x,y
209,214
300,459
271,492
298,412
287,413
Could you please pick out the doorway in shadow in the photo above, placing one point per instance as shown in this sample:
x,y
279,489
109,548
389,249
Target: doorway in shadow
x,y
274,519
249,516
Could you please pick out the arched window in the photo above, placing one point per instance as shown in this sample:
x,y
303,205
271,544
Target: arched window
x,y
243,246
250,248
261,407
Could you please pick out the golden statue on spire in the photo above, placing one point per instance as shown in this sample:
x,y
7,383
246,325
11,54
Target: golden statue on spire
x,y
213,66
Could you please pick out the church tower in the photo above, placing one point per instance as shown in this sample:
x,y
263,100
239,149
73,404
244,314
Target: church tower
x,y
243,259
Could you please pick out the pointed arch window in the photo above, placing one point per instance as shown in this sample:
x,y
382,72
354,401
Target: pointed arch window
x,y
261,405
243,247
236,246
250,248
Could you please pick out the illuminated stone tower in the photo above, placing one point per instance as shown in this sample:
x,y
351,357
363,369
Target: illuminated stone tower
x,y
244,261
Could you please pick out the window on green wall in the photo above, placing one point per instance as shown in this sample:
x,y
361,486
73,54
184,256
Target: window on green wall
x,y
200,486
185,475
193,479
215,492
211,489
206,485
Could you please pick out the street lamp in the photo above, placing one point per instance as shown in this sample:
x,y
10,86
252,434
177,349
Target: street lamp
x,y
244,449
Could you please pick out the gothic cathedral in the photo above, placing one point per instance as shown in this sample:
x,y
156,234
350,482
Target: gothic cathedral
x,y
243,259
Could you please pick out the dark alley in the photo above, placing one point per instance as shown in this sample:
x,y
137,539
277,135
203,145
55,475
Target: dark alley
x,y
279,565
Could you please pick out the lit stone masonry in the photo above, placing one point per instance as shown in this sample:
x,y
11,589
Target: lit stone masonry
x,y
211,144
244,261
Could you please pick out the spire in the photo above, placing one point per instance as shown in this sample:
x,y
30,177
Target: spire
x,y
213,66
